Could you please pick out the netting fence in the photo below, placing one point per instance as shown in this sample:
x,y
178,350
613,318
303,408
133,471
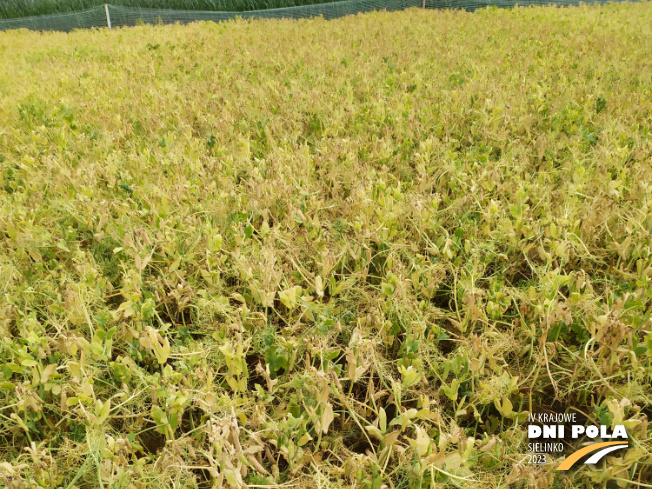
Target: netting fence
x,y
112,16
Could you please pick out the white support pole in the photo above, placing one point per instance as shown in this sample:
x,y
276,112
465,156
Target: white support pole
x,y
108,17
424,3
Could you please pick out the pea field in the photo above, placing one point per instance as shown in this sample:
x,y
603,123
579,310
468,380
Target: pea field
x,y
326,254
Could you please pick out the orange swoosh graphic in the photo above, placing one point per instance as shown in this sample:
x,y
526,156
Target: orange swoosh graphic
x,y
575,456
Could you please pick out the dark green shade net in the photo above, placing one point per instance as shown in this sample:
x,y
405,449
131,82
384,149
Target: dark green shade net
x,y
129,16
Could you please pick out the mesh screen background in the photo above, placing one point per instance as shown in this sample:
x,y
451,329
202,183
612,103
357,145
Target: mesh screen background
x,y
128,16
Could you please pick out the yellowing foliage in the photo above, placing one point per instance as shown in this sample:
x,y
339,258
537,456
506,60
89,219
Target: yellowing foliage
x,y
349,253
